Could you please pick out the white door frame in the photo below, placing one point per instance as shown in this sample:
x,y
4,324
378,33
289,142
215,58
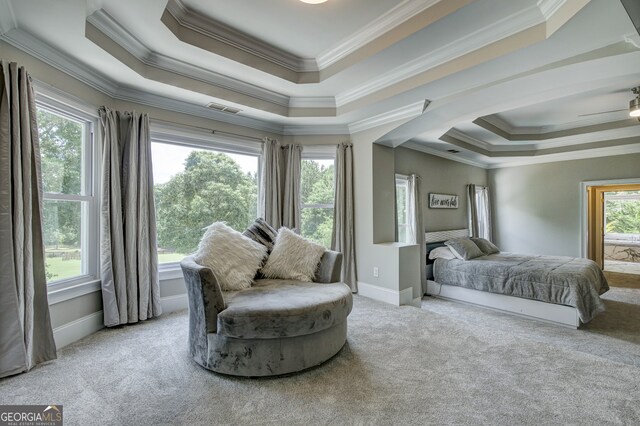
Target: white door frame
x,y
583,203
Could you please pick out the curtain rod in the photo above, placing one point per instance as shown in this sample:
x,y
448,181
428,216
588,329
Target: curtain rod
x,y
208,130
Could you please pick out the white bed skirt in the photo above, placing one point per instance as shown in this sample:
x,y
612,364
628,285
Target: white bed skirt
x,y
542,311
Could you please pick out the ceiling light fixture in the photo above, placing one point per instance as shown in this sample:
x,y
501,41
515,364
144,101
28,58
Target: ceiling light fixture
x,y
313,1
634,104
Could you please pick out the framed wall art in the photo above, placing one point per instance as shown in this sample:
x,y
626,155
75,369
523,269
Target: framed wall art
x,y
443,201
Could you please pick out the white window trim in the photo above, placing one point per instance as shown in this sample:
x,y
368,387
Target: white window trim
x,y
319,152
64,104
402,180
194,137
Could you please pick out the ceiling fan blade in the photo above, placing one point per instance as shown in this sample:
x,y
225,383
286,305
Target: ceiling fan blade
x,y
602,112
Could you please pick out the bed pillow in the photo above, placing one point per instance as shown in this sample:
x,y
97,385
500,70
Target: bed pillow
x,y
261,232
486,246
233,257
464,248
293,257
441,253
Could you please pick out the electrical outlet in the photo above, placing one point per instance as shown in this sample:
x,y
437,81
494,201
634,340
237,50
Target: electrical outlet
x,y
376,272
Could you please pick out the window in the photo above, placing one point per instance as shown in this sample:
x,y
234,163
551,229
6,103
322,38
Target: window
x,y
317,197
196,186
483,212
69,205
402,208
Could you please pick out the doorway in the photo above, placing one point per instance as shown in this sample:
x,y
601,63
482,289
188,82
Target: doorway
x,y
613,227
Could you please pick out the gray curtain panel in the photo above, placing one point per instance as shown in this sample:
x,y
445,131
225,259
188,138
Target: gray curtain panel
x,y
292,177
281,173
128,252
272,183
415,223
26,337
472,210
343,238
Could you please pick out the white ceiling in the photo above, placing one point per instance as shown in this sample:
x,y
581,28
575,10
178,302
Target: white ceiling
x,y
303,29
531,66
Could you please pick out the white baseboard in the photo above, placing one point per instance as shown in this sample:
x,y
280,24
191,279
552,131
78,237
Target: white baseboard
x,y
76,330
174,303
404,297
82,327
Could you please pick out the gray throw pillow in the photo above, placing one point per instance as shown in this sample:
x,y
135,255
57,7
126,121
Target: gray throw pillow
x,y
464,248
486,246
261,232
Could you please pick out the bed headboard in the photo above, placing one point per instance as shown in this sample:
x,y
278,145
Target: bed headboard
x,y
437,239
439,236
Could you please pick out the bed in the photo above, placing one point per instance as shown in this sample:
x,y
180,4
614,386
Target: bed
x,y
557,289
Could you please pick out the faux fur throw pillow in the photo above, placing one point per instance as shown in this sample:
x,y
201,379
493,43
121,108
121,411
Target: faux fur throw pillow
x,y
233,258
293,257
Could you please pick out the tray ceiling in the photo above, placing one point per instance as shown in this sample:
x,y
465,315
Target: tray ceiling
x,y
506,80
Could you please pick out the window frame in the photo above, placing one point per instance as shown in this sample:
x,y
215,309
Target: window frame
x,y
319,152
200,138
402,180
66,106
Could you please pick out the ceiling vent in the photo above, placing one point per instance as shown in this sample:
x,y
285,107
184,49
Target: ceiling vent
x,y
223,108
453,151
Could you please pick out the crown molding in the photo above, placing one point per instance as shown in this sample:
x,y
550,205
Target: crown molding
x,y
322,129
403,113
550,7
478,39
59,60
223,33
568,156
108,26
589,141
625,130
134,95
89,76
634,39
461,136
575,129
538,159
100,24
214,36
92,78
7,17
504,28
312,102
401,13
417,146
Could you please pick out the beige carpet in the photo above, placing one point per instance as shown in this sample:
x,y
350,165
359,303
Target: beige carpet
x,y
444,364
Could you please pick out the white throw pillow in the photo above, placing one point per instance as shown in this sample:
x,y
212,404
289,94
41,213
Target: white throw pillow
x,y
441,253
293,257
233,258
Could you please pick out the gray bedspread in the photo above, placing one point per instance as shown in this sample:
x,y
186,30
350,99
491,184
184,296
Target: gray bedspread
x,y
553,279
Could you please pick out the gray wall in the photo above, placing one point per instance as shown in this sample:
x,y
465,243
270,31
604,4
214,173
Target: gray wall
x,y
384,201
536,208
441,176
